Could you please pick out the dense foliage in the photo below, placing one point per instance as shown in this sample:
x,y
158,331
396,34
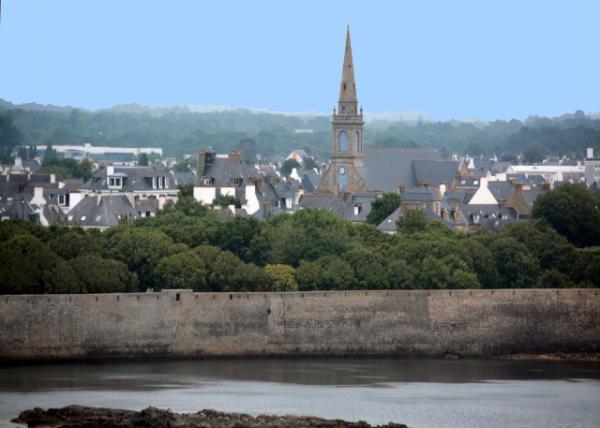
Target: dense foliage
x,y
573,211
383,207
189,245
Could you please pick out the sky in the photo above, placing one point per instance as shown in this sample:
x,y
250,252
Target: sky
x,y
448,59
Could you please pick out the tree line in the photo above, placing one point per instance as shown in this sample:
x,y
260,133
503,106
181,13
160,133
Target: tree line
x,y
188,245
183,131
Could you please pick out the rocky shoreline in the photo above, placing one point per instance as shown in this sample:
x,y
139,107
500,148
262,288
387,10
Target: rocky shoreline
x,y
91,417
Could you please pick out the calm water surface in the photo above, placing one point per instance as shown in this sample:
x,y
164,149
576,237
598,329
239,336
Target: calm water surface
x,y
420,393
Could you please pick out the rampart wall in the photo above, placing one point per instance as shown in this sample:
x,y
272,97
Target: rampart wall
x,y
185,324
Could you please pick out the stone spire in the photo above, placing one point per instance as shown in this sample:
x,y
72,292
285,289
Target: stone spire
x,y
344,174
347,85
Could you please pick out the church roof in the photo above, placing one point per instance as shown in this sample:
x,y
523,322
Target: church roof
x,y
435,172
386,169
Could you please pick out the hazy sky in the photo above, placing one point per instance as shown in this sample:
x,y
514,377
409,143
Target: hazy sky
x,y
449,59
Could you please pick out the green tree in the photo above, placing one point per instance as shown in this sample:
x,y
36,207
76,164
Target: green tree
x,y
309,163
143,159
29,266
288,166
413,221
86,169
182,270
517,267
141,249
401,275
553,278
10,137
433,273
72,243
305,235
383,207
310,276
50,153
186,190
533,155
99,275
572,211
282,277
225,200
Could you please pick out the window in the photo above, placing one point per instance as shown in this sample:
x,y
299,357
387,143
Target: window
x,y
343,145
357,141
343,109
238,181
342,179
344,86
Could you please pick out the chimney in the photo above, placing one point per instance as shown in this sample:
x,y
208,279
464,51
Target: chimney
x,y
98,198
110,170
260,183
590,152
52,178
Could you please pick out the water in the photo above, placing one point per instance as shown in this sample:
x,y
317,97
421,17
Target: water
x,y
420,393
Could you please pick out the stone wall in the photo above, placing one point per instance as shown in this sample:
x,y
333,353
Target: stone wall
x,y
182,323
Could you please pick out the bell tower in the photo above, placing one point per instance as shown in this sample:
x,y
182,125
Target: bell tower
x,y
347,155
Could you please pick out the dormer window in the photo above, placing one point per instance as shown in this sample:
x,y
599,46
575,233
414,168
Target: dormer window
x,y
238,181
115,182
208,181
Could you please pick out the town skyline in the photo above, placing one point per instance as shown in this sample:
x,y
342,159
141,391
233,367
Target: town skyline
x,y
490,73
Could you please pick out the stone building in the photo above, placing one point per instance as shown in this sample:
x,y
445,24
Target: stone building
x,y
347,155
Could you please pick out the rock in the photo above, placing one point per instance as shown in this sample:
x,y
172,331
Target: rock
x,y
91,417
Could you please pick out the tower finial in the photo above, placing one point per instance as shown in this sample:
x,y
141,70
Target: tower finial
x,y
348,85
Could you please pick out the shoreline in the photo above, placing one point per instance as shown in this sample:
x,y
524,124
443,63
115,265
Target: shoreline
x,y
559,357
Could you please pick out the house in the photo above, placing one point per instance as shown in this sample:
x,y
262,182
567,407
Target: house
x,y
298,155
592,168
148,189
101,211
220,175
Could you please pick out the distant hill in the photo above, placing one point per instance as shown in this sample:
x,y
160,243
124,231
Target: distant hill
x,y
185,129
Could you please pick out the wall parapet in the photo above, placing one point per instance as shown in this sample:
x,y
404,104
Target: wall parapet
x,y
182,323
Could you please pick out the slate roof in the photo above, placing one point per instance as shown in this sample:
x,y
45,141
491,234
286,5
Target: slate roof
x,y
224,170
483,166
463,196
343,204
419,194
101,211
146,205
183,178
389,224
532,194
500,189
435,172
310,180
386,169
136,179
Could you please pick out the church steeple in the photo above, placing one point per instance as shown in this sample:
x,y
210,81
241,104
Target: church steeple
x,y
347,155
348,101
